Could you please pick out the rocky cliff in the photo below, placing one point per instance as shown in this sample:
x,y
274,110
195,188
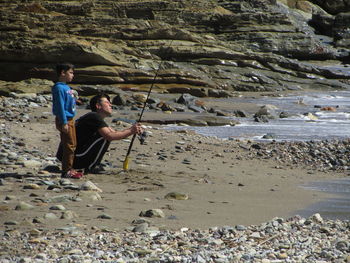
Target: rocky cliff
x,y
203,47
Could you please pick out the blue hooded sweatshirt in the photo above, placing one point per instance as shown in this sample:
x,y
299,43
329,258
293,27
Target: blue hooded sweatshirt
x,y
63,102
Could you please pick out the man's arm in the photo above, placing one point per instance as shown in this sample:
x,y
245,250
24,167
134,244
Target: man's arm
x,y
110,134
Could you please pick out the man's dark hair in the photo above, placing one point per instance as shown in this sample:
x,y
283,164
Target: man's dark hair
x,y
97,99
63,67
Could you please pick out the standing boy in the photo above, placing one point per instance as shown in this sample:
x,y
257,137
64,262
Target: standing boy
x,y
64,109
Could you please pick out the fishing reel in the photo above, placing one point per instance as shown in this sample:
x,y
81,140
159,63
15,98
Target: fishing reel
x,y
142,137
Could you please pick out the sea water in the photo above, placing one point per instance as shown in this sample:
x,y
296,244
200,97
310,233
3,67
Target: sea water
x,y
306,121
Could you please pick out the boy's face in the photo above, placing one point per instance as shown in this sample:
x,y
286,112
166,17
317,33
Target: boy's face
x,y
67,76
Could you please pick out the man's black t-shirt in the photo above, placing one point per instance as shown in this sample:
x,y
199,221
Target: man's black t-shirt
x,y
87,127
91,146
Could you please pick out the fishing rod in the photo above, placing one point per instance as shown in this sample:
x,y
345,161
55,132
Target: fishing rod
x,y
127,157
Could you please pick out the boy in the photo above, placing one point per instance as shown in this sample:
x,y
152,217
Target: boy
x,y
64,109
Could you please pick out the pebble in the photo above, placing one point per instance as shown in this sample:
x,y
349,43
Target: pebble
x,y
90,186
24,206
217,244
58,207
50,216
68,215
153,213
176,196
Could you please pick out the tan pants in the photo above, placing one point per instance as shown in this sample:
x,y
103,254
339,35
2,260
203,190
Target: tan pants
x,y
69,143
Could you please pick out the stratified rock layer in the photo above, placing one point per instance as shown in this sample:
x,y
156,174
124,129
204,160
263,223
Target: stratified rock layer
x,y
199,46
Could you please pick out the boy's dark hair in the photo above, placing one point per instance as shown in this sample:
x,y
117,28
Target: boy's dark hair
x,y
63,67
96,99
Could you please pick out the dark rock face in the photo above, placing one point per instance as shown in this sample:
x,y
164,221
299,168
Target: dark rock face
x,y
334,6
200,47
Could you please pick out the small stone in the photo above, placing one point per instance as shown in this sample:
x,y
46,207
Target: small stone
x,y
90,186
143,252
176,196
94,196
31,164
342,245
317,218
240,228
24,206
57,207
34,232
140,221
41,256
60,199
11,223
140,228
68,215
104,216
31,186
75,252
50,216
38,220
282,256
153,213
39,240
4,208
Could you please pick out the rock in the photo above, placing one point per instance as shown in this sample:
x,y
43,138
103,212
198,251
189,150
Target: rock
x,y
176,196
58,207
141,227
186,99
119,100
284,115
24,206
94,196
342,245
311,116
269,136
139,221
31,186
282,256
23,88
90,186
235,62
240,113
31,163
335,6
153,213
317,218
104,216
50,216
60,199
139,97
68,215
11,223
267,110
10,197
4,208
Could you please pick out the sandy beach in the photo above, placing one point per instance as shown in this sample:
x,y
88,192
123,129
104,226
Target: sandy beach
x,y
224,185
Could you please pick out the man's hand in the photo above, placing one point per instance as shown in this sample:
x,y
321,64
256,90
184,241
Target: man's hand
x,y
136,128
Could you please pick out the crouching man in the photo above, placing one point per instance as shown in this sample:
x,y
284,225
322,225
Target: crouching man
x,y
94,135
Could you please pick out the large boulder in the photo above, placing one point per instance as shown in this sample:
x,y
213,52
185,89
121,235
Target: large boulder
x,y
39,86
